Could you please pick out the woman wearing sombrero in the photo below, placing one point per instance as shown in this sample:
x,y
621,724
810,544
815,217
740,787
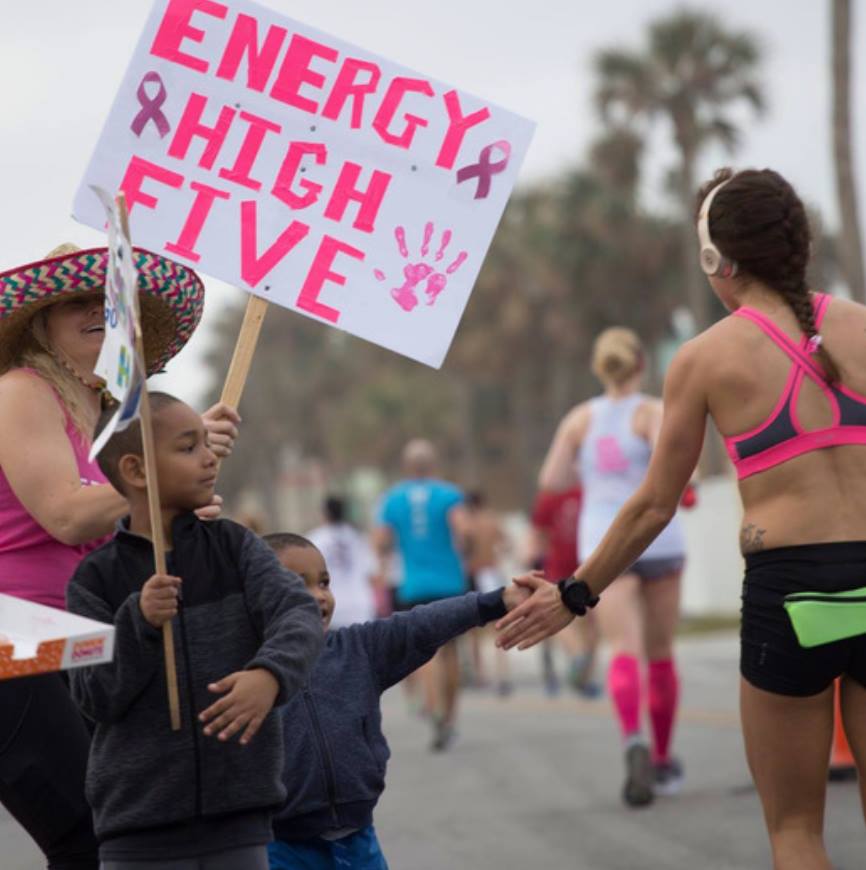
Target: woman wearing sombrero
x,y
55,505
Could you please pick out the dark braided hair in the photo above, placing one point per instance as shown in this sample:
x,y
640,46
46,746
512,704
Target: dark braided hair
x,y
758,221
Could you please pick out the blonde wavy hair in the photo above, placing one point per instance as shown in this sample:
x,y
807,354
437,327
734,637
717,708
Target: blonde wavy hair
x,y
617,356
34,353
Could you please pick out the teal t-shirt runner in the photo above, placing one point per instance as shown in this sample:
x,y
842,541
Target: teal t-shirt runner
x,y
417,513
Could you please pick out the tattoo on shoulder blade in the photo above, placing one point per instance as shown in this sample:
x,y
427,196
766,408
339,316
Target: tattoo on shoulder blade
x,y
751,538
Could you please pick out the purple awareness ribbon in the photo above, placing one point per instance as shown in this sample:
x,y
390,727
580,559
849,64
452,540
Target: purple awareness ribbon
x,y
151,107
484,168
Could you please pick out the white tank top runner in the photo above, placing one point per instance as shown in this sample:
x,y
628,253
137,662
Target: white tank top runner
x,y
612,463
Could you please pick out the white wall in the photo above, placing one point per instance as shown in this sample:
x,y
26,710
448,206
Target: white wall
x,y
714,566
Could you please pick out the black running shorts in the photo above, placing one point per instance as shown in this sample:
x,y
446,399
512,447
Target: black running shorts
x,y
770,656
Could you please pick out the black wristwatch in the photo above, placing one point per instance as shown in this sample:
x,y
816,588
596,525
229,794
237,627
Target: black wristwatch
x,y
576,595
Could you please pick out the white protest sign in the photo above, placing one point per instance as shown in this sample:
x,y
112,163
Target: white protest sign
x,y
308,171
118,364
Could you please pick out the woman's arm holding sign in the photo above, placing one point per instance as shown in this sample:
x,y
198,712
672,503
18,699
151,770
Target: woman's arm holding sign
x,y
221,422
642,517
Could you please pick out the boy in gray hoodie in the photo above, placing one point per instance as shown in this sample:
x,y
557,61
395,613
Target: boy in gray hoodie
x,y
246,634
336,752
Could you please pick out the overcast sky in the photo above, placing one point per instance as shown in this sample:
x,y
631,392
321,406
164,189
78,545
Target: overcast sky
x,y
61,62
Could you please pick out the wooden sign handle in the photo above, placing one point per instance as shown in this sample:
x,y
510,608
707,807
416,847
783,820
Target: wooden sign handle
x,y
242,358
153,501
156,533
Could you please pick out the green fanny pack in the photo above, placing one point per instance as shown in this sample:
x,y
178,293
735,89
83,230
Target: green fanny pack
x,y
825,617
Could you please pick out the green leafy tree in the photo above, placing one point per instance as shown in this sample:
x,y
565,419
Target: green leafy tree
x,y
692,73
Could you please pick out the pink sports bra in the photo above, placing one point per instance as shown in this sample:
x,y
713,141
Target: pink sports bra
x,y
781,437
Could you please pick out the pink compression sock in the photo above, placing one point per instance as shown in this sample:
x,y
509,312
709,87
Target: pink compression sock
x,y
623,685
664,690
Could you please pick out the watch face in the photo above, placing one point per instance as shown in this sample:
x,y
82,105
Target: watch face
x,y
573,595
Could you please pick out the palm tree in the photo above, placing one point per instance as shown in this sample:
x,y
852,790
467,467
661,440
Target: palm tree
x,y
692,72
851,248
615,156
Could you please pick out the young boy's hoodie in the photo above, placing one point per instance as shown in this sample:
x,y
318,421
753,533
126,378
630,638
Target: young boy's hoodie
x,y
335,751
239,609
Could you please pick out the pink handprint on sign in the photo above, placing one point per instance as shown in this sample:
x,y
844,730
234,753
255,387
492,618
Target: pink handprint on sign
x,y
414,273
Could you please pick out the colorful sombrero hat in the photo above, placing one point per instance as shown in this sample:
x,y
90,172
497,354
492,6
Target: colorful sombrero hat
x,y
171,298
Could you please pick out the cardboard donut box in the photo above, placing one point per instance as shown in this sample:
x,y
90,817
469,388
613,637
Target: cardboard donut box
x,y
35,639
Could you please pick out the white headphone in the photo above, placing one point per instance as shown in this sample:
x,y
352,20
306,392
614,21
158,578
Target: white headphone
x,y
713,261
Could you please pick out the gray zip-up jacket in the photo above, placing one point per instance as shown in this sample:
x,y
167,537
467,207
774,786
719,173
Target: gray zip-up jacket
x,y
240,609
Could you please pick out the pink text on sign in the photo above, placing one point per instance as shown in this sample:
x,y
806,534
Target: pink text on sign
x,y
258,53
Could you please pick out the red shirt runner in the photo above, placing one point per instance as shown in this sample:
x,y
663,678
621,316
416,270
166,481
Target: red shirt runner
x,y
556,514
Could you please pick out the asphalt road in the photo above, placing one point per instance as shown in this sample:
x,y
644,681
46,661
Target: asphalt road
x,y
532,783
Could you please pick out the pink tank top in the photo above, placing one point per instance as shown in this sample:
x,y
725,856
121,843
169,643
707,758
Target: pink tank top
x,y
33,564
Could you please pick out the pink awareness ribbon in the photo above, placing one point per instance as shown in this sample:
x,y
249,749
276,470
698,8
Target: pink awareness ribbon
x,y
484,169
151,107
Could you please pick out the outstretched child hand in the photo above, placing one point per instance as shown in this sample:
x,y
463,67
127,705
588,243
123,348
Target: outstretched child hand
x,y
158,600
249,697
514,595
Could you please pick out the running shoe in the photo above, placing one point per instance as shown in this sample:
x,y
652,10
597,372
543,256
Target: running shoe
x,y
580,677
638,788
548,671
443,736
551,685
668,777
590,690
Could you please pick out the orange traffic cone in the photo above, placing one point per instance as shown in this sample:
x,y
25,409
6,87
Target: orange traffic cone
x,y
842,765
